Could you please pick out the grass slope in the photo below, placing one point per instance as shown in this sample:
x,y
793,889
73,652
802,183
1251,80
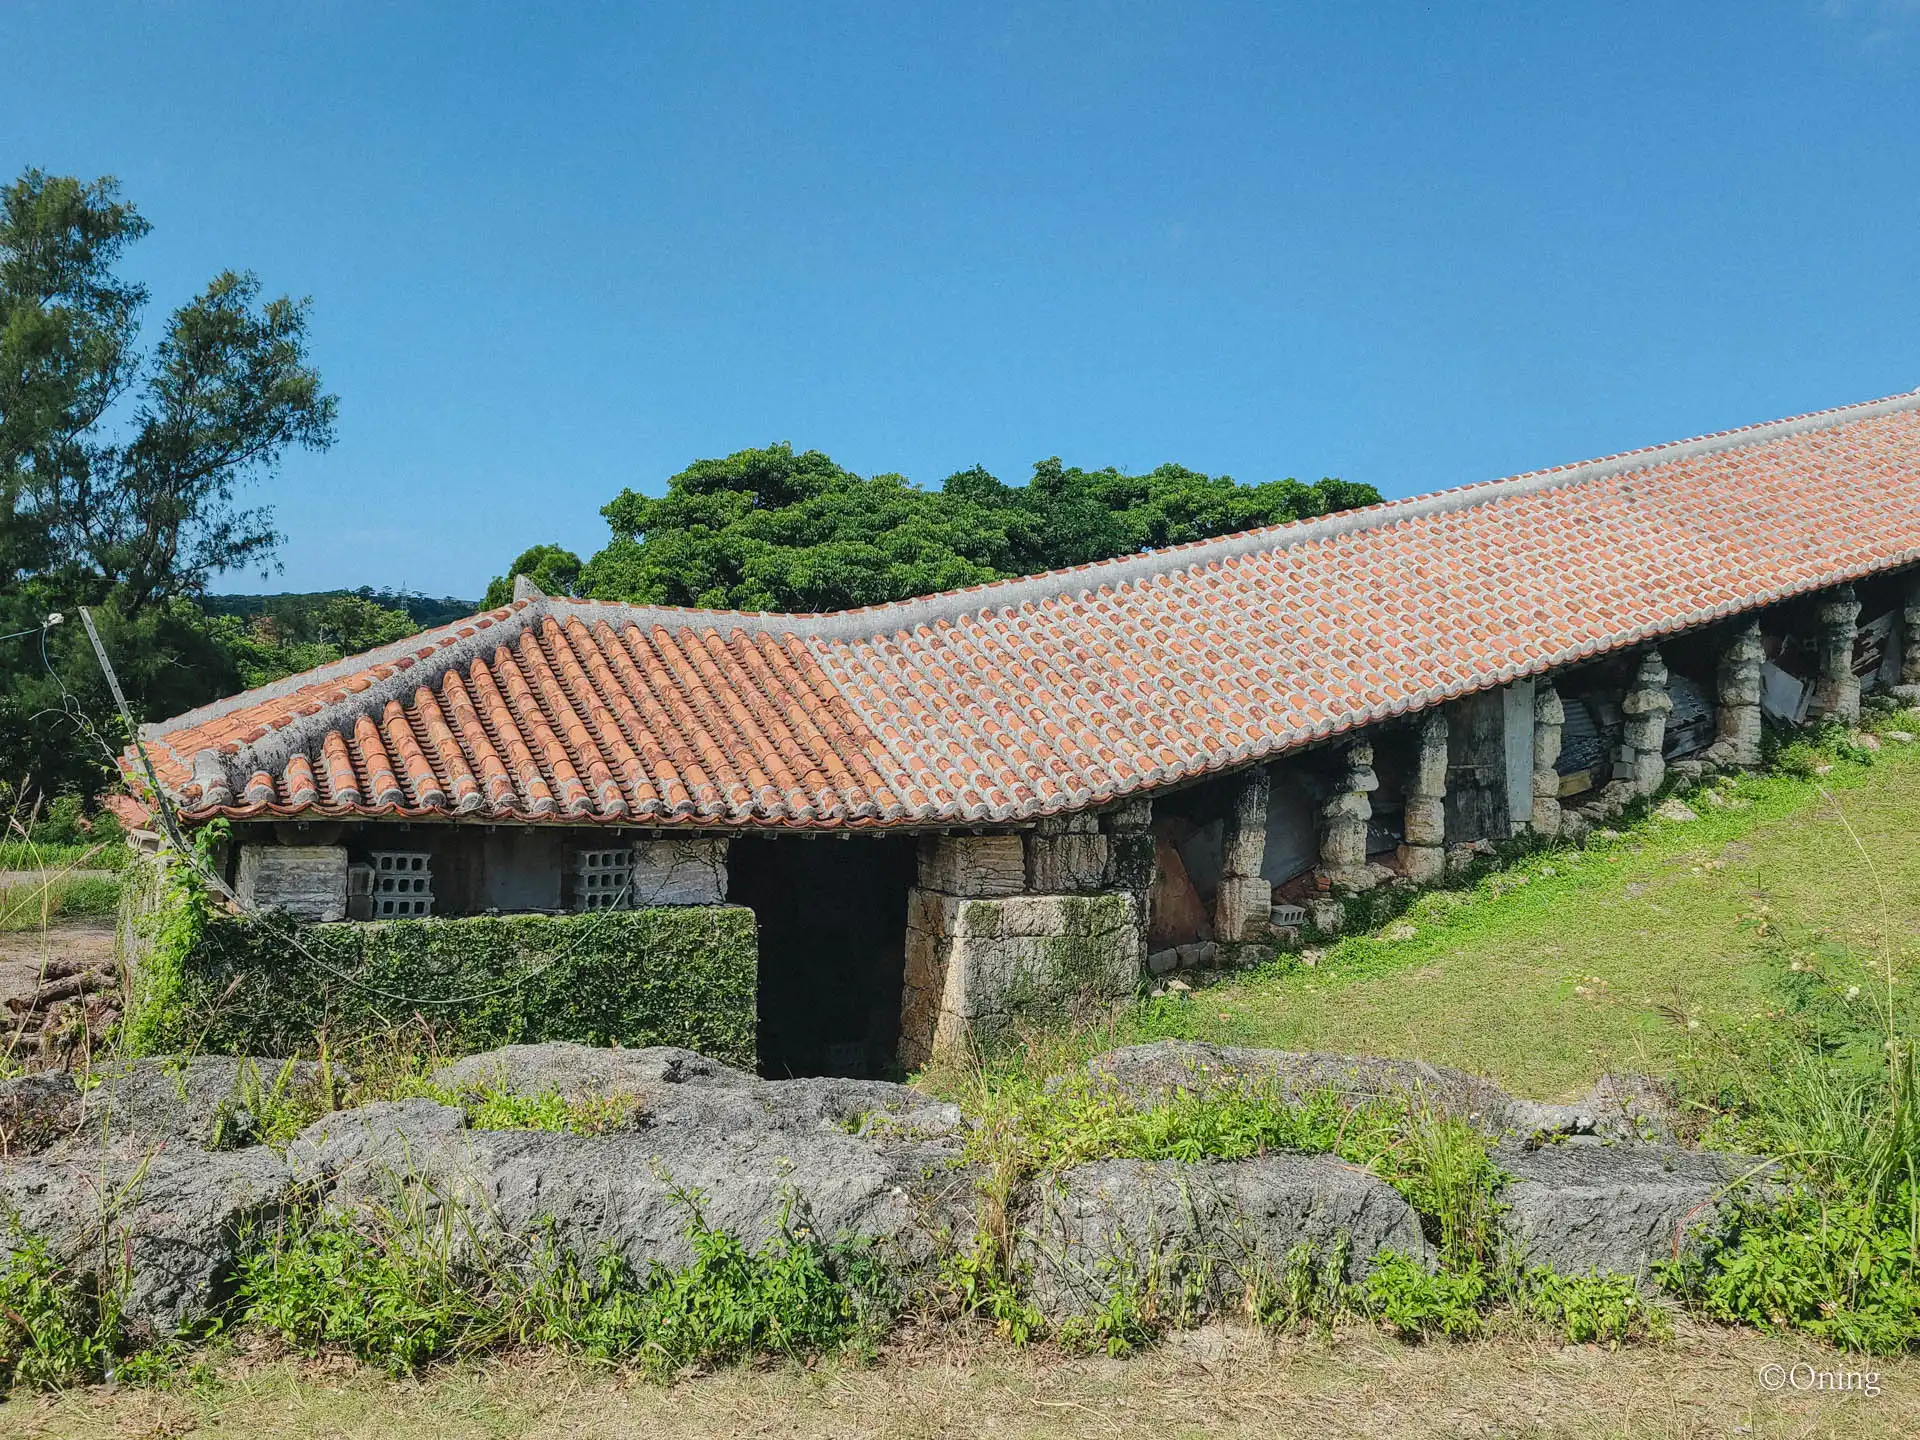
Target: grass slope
x,y
1579,962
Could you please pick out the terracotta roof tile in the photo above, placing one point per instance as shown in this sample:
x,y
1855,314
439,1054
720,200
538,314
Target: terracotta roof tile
x,y
1010,700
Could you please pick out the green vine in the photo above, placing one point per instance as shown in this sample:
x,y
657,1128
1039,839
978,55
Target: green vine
x,y
175,928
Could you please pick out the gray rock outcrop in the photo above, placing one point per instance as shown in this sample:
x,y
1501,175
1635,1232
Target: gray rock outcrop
x,y
1198,1236
1621,1208
1621,1107
812,1153
174,1219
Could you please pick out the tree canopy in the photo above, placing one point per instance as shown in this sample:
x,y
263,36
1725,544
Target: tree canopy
x,y
772,529
122,468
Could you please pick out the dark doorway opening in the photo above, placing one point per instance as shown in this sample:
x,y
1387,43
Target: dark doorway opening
x,y
832,917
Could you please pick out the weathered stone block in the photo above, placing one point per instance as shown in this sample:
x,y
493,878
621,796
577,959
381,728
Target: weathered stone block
x,y
1425,821
976,965
1079,822
308,882
1240,907
680,870
1130,856
1645,732
1649,770
1422,864
1546,816
1244,843
1129,815
976,865
1430,765
1066,863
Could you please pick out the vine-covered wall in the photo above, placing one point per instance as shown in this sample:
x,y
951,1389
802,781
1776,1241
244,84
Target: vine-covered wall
x,y
215,983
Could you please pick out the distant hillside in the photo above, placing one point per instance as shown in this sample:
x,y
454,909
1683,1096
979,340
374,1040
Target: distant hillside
x,y
425,611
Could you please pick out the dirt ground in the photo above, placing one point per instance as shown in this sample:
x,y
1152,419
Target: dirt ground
x,y
24,952
1216,1382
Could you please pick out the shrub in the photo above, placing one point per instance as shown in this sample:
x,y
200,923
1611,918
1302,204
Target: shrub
x,y
671,975
405,1288
1829,1086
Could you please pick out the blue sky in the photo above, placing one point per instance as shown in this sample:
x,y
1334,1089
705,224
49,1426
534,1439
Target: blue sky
x,y
1411,245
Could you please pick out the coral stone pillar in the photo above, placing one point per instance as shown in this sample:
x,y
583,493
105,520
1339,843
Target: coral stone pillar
x,y
1736,715
1907,692
1646,707
1836,689
1549,715
1423,855
1343,841
1242,904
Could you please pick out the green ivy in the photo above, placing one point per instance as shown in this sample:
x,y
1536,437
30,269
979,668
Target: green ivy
x,y
672,975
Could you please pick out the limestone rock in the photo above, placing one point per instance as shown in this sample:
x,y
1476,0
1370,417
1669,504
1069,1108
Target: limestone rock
x,y
680,870
1201,1233
36,1111
1066,864
1240,908
173,1217
185,1100
973,865
308,882
1619,1208
974,966
850,1158
588,1072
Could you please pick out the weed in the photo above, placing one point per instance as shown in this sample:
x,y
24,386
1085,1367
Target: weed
x,y
1593,1308
58,1325
409,1287
271,1112
1310,1288
1417,1302
981,1280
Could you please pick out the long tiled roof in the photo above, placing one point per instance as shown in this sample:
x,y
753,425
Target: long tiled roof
x,y
1067,689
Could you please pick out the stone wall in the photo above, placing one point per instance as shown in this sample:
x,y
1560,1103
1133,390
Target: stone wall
x,y
976,966
986,946
308,882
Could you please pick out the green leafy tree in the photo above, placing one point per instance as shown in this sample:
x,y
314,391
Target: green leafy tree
x,y
298,632
121,467
775,530
555,570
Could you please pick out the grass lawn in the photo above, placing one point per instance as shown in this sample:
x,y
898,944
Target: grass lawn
x,y
32,902
1216,1382
1580,962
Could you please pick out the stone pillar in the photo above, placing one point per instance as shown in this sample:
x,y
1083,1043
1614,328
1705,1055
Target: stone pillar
x,y
1241,905
1836,689
1549,714
1646,707
1343,841
1067,855
1423,856
1129,832
1736,714
1907,692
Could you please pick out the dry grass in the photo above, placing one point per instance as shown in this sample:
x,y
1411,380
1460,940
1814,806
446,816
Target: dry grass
x,y
1213,1383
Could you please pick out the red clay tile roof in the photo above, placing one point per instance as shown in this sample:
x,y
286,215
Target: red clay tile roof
x,y
1072,688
